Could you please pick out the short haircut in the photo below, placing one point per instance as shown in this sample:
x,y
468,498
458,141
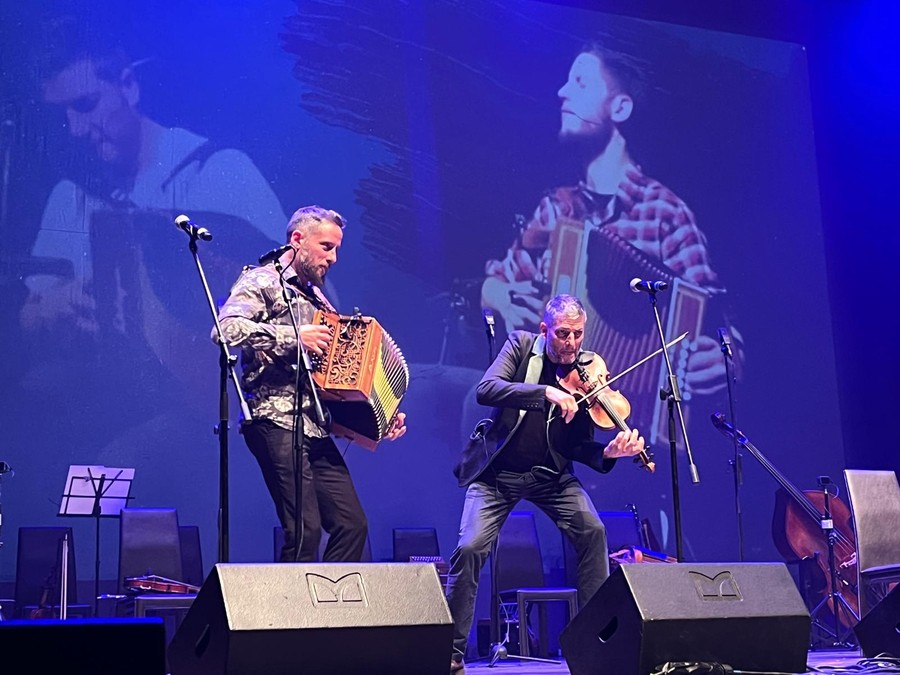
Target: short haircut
x,y
310,218
563,307
625,71
66,40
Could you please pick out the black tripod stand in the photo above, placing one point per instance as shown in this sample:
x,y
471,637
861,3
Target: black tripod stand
x,y
839,606
499,652
227,363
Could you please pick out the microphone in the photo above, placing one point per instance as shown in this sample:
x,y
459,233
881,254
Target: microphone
x,y
638,285
725,341
274,254
583,119
184,223
488,322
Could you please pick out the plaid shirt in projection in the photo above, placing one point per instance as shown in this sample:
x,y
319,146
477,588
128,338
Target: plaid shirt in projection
x,y
255,318
643,212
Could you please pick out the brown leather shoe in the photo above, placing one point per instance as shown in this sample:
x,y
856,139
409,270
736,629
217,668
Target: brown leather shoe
x,y
457,667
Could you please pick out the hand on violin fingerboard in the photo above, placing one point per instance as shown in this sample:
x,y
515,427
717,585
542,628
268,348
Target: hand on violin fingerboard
x,y
625,444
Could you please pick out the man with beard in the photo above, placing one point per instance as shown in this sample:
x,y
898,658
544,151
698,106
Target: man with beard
x,y
132,176
256,318
615,198
128,305
520,452
115,334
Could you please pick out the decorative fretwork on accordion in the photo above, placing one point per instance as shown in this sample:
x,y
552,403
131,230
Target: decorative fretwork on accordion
x,y
620,326
362,378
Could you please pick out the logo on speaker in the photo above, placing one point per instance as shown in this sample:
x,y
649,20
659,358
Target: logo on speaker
x,y
723,586
348,590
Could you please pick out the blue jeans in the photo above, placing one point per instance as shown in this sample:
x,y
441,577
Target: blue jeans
x,y
561,497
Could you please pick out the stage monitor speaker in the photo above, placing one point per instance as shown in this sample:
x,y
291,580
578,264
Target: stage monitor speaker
x,y
746,615
312,618
85,646
878,631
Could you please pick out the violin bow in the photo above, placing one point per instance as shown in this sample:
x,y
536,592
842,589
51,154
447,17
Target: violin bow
x,y
600,387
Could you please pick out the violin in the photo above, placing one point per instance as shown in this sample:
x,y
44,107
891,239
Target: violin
x,y
608,408
158,584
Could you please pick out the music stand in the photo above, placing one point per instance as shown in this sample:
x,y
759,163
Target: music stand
x,y
96,491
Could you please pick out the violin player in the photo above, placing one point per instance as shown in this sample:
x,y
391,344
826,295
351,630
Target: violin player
x,y
518,453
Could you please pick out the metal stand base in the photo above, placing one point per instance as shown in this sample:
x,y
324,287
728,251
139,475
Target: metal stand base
x,y
501,653
840,639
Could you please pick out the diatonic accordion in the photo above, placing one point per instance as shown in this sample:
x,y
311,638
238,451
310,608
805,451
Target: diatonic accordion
x,y
362,378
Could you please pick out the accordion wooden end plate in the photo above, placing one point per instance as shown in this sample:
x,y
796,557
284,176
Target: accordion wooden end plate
x,y
362,378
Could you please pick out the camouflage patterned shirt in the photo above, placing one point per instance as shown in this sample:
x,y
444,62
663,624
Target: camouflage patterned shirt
x,y
255,317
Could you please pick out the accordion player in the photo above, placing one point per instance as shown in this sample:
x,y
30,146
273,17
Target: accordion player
x,y
362,377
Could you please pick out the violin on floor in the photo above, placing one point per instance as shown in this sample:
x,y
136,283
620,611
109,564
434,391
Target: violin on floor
x,y
156,584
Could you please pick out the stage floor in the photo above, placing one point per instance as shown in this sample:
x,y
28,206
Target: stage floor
x,y
822,661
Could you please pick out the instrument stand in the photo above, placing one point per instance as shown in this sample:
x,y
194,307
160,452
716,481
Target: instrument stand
x,y
64,580
672,395
95,491
227,362
838,604
499,652
736,462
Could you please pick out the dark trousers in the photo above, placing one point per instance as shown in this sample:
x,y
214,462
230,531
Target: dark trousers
x,y
486,508
329,499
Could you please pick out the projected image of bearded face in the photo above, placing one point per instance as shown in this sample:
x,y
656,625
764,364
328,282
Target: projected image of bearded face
x,y
585,103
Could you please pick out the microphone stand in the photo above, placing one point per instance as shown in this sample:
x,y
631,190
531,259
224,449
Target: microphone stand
x,y
736,462
672,395
499,650
302,367
838,603
227,362
488,317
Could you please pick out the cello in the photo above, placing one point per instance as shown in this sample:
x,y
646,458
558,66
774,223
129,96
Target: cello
x,y
799,535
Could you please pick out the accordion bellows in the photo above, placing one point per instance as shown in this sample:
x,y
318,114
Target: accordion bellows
x,y
362,378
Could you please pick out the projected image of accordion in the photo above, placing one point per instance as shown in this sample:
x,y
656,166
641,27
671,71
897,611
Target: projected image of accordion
x,y
620,326
361,379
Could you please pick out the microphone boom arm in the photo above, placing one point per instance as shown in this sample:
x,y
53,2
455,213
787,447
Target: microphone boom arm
x,y
600,387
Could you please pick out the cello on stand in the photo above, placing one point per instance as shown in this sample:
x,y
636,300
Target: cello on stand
x,y
814,526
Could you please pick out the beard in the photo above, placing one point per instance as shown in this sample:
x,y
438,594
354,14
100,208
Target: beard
x,y
560,358
589,141
311,273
